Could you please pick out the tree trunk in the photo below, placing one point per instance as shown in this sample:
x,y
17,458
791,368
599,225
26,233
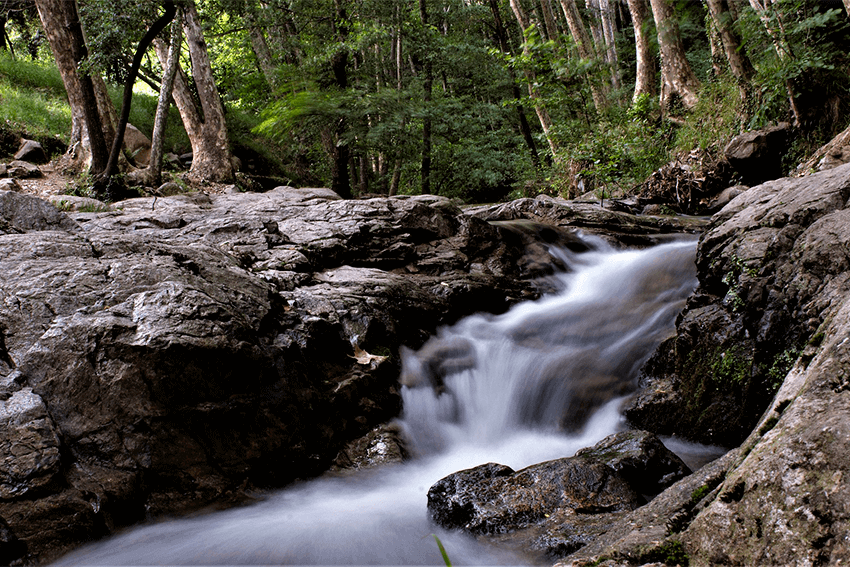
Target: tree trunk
x,y
152,175
542,113
584,46
525,128
427,85
549,21
262,52
205,126
847,7
608,31
677,78
645,75
144,43
61,24
341,153
739,63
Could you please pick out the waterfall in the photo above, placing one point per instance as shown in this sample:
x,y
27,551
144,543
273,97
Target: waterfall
x,y
536,383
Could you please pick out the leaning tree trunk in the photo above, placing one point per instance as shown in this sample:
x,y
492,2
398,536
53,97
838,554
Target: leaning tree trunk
x,y
205,126
141,49
739,63
584,45
152,175
677,78
645,75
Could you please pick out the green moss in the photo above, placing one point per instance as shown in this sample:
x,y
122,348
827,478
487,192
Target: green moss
x,y
732,366
769,424
670,553
699,493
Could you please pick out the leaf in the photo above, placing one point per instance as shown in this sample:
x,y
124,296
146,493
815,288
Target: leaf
x,y
442,551
363,357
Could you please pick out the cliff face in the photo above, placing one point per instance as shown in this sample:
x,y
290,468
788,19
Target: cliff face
x,y
762,356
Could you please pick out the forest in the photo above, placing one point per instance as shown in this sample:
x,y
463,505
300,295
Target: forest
x,y
479,100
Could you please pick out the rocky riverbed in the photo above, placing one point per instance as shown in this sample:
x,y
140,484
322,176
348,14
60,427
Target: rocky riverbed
x,y
172,353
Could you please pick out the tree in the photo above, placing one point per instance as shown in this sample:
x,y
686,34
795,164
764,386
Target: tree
x,y
61,22
645,75
679,85
204,122
739,63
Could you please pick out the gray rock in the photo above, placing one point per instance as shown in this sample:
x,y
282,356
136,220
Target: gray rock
x,y
31,151
10,185
137,145
29,445
757,155
23,170
193,347
74,203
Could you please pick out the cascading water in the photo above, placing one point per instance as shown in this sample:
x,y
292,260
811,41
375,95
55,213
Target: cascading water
x,y
537,383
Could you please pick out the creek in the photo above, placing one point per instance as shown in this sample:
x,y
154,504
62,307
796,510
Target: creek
x,y
536,383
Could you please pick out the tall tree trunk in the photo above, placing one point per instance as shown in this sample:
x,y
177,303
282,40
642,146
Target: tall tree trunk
x,y
144,43
427,85
539,109
61,24
205,125
340,179
152,175
262,52
677,77
525,128
549,21
608,33
584,46
780,44
847,7
645,75
739,63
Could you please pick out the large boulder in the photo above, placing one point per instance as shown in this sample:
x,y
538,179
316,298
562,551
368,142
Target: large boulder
x,y
771,266
556,507
761,359
757,155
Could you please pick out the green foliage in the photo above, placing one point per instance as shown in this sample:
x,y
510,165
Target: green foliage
x,y
442,551
731,366
699,493
82,186
715,120
780,367
32,99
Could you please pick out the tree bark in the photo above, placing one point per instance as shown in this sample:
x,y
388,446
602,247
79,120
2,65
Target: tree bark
x,y
525,128
584,46
549,21
427,85
152,175
739,63
61,24
677,77
341,153
608,31
645,75
141,49
205,125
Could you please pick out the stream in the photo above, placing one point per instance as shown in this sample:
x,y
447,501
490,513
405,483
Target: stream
x,y
536,383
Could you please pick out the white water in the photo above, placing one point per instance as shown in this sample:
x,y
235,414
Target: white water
x,y
532,365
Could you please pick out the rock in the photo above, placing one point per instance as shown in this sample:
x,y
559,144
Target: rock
x,y
761,357
685,185
4,170
27,213
757,155
29,445
10,185
75,203
723,198
642,460
770,265
23,170
169,189
191,347
558,506
381,446
137,145
12,550
31,151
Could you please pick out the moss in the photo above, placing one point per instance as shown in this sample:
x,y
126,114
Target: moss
x,y
670,553
769,424
699,493
731,366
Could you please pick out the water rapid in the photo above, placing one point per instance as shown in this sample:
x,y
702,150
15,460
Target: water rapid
x,y
536,383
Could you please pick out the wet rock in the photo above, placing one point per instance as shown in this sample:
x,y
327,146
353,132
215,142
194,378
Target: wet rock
x,y
12,550
31,151
189,348
381,446
556,507
641,458
757,155
770,266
